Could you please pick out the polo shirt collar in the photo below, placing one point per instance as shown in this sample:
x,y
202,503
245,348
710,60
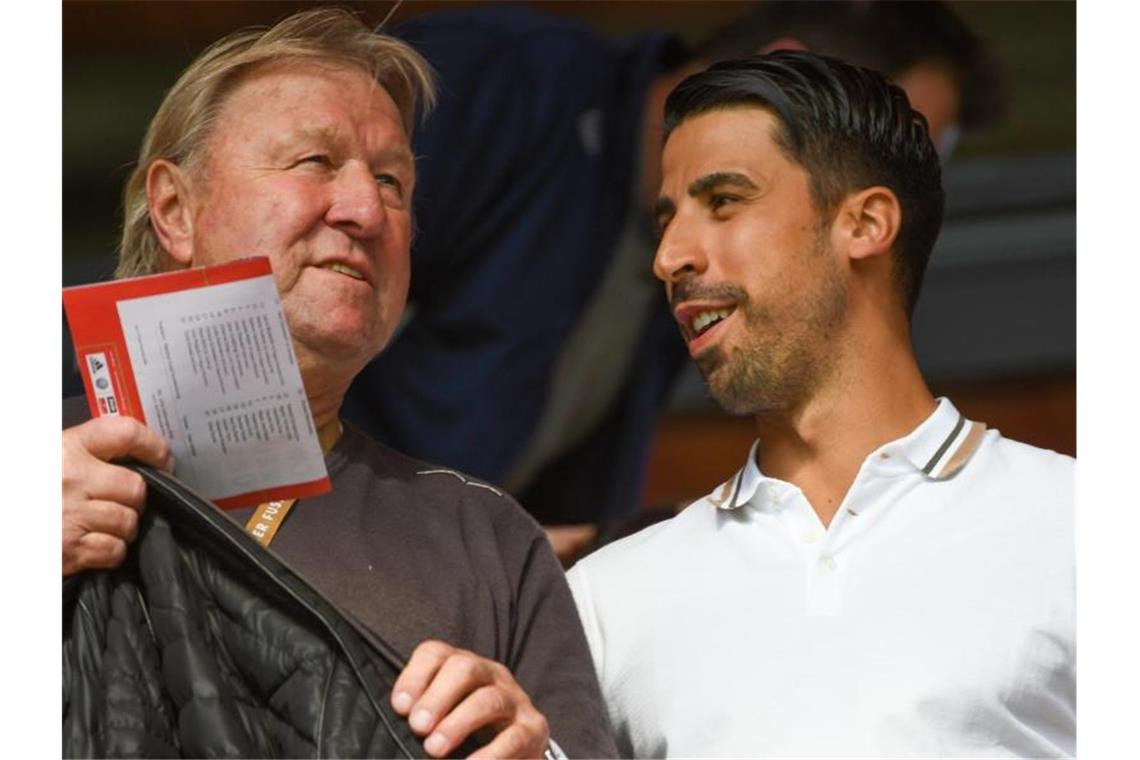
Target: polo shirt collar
x,y
938,448
741,487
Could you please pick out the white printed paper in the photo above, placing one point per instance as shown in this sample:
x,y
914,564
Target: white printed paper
x,y
217,377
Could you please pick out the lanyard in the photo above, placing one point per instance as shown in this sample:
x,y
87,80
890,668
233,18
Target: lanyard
x,y
267,518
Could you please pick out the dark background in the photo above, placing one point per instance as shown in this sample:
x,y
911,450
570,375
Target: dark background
x,y
995,328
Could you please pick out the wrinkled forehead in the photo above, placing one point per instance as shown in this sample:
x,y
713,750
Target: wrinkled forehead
x,y
295,98
274,77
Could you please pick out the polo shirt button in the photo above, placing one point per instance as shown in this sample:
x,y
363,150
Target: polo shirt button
x,y
827,562
811,536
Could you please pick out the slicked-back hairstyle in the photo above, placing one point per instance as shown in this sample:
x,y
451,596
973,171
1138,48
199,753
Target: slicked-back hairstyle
x,y
890,36
847,127
184,122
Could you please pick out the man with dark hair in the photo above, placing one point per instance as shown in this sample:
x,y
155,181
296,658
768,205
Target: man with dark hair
x,y
538,354
882,576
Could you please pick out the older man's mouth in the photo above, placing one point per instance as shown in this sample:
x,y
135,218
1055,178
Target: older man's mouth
x,y
336,266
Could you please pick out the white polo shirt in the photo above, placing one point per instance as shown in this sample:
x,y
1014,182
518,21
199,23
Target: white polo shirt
x,y
934,617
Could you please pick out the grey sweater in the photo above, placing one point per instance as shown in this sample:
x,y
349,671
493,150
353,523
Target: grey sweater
x,y
419,552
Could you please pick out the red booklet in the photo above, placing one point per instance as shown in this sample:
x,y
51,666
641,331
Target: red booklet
x,y
203,356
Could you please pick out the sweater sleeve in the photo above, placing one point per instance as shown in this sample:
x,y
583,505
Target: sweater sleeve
x,y
549,656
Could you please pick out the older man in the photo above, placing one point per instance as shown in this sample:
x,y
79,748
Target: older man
x,y
293,143
882,577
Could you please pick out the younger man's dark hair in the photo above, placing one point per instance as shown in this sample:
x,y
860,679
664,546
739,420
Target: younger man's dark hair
x,y
847,127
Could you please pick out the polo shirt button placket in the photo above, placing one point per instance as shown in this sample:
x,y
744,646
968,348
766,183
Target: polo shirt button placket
x,y
825,588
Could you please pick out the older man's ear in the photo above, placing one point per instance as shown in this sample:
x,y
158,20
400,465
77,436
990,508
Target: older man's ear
x,y
171,211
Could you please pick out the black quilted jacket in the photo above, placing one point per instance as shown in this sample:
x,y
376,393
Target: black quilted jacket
x,y
204,644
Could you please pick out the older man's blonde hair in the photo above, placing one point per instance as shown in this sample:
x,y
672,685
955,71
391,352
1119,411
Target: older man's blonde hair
x,y
181,128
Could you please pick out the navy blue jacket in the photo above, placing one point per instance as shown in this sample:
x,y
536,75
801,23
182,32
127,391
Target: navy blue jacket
x,y
525,180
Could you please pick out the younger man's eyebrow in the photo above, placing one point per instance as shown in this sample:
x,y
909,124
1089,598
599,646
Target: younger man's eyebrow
x,y
717,179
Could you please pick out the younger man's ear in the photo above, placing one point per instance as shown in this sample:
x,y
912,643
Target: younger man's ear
x,y
868,222
171,211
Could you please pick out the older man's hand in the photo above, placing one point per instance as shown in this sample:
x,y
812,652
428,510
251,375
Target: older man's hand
x,y
448,693
101,501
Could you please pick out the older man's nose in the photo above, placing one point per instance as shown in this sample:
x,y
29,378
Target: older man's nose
x,y
357,206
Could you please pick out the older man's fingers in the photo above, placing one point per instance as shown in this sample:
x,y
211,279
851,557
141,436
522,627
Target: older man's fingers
x,y
460,674
111,482
96,534
117,437
422,667
101,501
95,551
487,705
514,741
110,517
448,694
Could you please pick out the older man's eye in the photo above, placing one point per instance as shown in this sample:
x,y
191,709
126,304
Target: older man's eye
x,y
314,159
390,180
392,189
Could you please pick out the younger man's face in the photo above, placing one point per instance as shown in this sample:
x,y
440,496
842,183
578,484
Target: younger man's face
x,y
756,287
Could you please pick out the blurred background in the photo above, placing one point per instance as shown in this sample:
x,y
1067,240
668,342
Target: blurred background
x,y
995,328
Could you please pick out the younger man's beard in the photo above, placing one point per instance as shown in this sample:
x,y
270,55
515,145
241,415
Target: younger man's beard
x,y
783,356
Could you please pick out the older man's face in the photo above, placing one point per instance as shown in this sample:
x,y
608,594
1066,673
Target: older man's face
x,y
308,164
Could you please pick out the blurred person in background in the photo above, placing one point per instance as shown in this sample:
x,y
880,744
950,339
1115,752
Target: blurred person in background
x,y
537,352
